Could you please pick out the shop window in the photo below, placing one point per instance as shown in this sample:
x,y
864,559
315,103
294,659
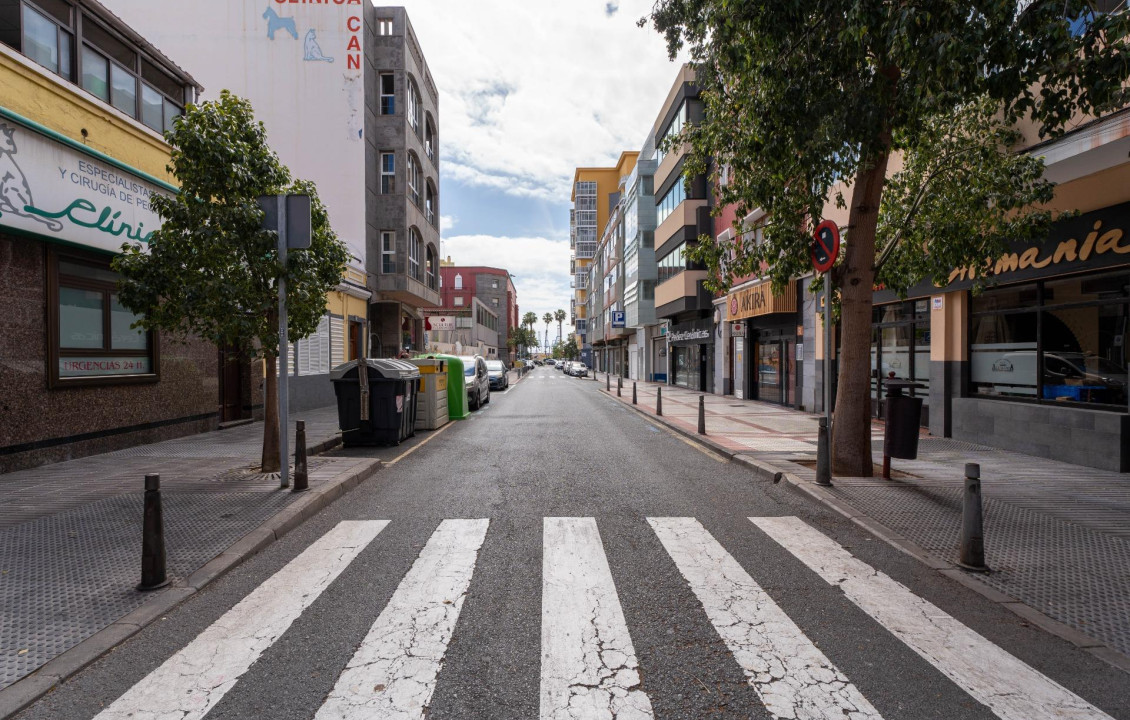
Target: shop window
x,y
388,251
91,338
1067,344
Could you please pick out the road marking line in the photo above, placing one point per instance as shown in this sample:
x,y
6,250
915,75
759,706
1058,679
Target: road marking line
x,y
588,664
786,670
1010,688
416,447
191,682
393,673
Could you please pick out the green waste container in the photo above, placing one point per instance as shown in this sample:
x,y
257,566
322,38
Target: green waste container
x,y
456,386
392,402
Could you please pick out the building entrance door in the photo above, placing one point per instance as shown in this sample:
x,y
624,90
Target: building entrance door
x,y
231,384
773,369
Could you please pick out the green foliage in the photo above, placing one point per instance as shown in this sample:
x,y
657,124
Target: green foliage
x,y
522,338
210,270
802,95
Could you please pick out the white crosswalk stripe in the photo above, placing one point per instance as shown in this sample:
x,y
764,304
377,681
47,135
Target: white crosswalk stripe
x,y
393,673
193,680
588,665
786,670
1010,688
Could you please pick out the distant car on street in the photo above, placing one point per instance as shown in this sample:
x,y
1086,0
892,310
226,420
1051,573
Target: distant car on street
x,y
496,375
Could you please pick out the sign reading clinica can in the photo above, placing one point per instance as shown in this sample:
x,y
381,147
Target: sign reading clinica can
x,y
55,191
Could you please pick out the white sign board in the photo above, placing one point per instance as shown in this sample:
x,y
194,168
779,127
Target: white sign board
x,y
441,322
299,62
54,190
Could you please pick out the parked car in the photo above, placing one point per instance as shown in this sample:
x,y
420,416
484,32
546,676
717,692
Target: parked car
x,y
560,364
578,369
496,375
538,362
477,380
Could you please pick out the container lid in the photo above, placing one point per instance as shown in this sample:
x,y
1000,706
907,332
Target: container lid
x,y
382,368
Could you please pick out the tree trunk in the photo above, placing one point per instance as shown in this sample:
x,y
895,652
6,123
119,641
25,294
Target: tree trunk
x,y
270,459
856,279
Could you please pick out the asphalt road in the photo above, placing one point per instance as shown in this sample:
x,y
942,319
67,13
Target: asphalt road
x,y
519,576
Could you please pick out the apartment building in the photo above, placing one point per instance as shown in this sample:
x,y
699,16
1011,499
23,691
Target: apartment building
x,y
596,191
84,99
463,290
683,207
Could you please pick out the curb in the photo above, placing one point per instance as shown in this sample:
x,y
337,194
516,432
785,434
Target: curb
x,y
22,693
771,473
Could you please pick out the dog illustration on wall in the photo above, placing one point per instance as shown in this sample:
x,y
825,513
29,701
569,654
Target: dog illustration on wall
x,y
15,193
274,22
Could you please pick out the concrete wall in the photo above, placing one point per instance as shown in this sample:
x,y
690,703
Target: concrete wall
x,y
1093,438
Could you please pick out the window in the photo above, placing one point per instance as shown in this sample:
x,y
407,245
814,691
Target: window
x,y
430,269
674,197
388,173
673,130
458,282
1056,341
123,90
91,341
458,301
494,284
46,42
414,177
388,251
414,106
415,245
494,302
384,26
587,187
95,74
388,94
672,263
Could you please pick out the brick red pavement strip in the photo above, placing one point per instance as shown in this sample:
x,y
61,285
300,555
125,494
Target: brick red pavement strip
x,y
1077,589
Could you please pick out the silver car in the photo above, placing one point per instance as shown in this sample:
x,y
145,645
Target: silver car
x,y
477,379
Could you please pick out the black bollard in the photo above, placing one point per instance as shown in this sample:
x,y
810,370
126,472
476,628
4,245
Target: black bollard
x,y
701,414
659,400
607,382
823,455
971,548
301,476
619,386
153,574
635,398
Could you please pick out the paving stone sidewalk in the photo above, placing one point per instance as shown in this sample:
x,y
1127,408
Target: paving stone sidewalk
x,y
1057,536
70,532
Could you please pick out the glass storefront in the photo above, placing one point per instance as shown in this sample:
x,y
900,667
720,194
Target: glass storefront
x,y
773,371
687,365
900,349
1056,341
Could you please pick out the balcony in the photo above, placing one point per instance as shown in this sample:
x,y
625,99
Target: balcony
x,y
404,288
681,293
586,249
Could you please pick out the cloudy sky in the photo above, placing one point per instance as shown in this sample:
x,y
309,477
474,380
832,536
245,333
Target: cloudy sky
x,y
529,91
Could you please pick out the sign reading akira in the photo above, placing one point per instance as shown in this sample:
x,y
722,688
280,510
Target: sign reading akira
x,y
1093,240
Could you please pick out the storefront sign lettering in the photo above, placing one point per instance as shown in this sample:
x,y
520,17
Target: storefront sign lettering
x,y
97,366
689,335
758,300
51,189
1067,251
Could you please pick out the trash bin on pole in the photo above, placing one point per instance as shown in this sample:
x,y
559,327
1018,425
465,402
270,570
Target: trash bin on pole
x,y
903,415
431,407
456,385
392,402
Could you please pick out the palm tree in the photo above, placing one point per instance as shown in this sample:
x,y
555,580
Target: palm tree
x,y
559,316
529,319
547,318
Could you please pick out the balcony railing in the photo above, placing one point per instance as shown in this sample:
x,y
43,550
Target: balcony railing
x,y
586,249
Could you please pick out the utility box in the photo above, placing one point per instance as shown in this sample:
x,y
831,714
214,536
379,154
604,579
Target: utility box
x,y
431,406
456,386
392,402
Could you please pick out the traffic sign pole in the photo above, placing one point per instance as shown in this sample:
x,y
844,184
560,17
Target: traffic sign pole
x,y
825,249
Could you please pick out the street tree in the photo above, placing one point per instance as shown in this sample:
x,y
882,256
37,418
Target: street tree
x,y
807,103
547,319
521,339
559,316
210,271
570,348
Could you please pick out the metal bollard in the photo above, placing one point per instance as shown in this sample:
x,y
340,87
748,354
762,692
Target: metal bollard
x,y
619,386
607,382
153,574
635,398
301,477
659,400
823,455
971,548
701,414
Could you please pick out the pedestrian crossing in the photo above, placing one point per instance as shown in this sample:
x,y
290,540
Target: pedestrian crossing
x,y
589,668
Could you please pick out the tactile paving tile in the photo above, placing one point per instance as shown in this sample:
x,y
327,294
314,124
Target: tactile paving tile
x,y
1069,572
66,576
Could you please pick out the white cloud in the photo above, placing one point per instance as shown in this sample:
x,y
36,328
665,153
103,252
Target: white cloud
x,y
531,91
447,222
540,268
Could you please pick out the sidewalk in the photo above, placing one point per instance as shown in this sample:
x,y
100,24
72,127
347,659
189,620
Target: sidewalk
x,y
1057,536
70,536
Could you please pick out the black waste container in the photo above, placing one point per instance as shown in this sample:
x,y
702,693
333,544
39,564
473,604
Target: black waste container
x,y
392,402
903,414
